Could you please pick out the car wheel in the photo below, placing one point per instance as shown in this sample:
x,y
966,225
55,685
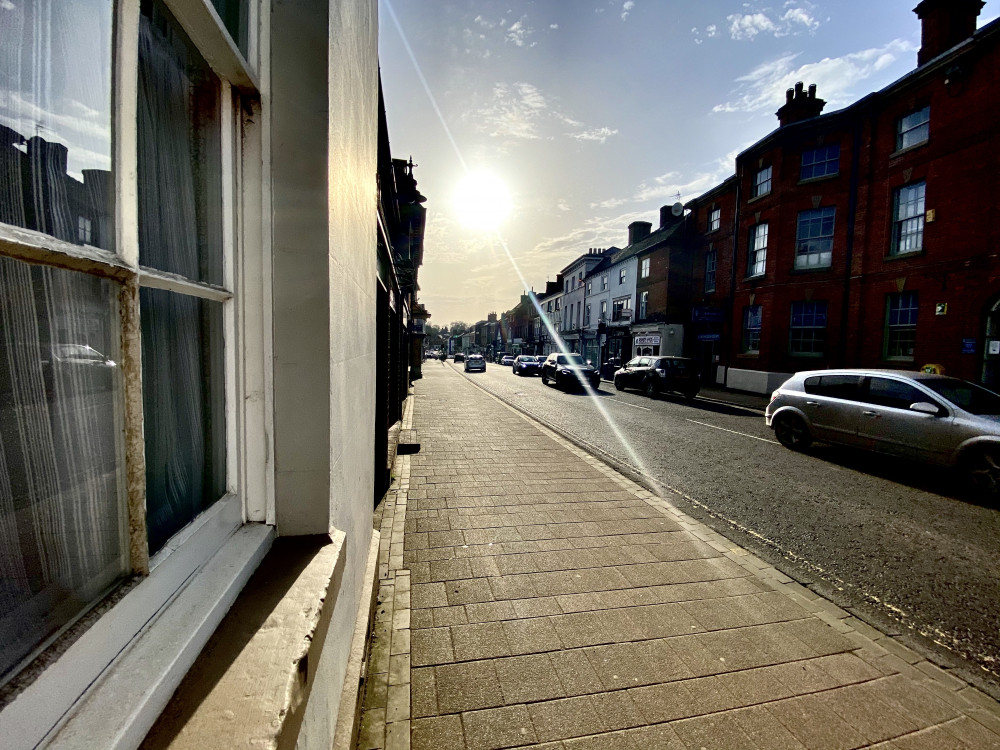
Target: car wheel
x,y
690,395
619,384
545,380
650,388
983,471
792,432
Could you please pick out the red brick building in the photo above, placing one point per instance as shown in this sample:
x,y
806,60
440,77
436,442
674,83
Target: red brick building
x,y
863,237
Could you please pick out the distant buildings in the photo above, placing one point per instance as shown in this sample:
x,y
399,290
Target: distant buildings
x,y
862,237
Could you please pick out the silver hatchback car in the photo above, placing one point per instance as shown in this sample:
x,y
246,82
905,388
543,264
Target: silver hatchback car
x,y
932,418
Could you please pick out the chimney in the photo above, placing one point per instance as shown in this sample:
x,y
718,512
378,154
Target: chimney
x,y
945,23
800,105
638,230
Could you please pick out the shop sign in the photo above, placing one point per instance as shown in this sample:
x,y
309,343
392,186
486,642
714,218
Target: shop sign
x,y
647,340
706,315
709,336
968,346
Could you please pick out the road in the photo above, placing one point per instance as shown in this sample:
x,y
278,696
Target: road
x,y
894,542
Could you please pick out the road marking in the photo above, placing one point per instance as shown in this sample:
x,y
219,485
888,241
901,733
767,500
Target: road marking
x,y
634,406
754,437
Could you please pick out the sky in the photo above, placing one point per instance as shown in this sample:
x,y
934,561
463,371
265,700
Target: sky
x,y
595,113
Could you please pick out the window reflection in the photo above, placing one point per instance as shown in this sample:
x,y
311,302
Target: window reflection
x,y
55,118
61,519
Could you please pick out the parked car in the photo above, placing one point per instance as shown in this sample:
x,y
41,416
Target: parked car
x,y
507,359
566,369
498,357
931,418
526,364
475,363
653,375
459,357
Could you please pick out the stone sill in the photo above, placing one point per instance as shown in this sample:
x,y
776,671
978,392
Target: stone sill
x,y
251,683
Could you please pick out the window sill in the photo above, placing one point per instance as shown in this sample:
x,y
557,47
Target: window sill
x,y
156,624
748,355
811,180
815,269
755,277
903,256
903,151
758,197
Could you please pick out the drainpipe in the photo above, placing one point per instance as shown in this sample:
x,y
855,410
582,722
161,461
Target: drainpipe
x,y
852,207
732,272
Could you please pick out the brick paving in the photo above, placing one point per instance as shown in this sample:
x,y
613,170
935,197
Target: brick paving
x,y
530,596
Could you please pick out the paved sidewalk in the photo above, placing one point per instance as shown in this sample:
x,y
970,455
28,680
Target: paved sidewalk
x,y
531,596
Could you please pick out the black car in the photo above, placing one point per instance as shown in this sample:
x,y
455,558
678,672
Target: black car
x,y
567,369
653,375
526,364
459,357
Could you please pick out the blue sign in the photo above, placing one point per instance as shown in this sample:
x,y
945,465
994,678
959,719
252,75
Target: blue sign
x,y
706,315
709,336
968,346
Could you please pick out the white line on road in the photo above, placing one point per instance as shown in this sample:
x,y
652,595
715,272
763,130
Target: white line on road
x,y
626,403
754,437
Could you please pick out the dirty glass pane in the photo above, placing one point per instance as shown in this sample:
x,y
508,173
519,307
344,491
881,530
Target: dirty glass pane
x,y
184,415
179,159
235,17
62,542
55,118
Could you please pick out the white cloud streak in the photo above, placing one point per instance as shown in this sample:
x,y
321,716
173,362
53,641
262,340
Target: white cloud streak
x,y
746,26
835,77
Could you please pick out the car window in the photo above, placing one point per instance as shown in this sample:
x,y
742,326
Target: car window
x,y
644,361
575,359
560,360
893,393
973,398
847,387
633,362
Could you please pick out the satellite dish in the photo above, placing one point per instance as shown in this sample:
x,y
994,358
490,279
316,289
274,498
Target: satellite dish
x,y
677,209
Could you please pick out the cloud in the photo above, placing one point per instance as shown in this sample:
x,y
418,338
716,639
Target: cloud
x,y
553,26
520,111
835,77
518,33
795,20
595,134
626,8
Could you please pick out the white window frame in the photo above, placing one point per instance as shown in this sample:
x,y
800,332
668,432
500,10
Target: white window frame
x,y
643,303
908,218
604,283
913,129
622,273
757,250
173,638
820,159
711,265
714,219
644,268
762,182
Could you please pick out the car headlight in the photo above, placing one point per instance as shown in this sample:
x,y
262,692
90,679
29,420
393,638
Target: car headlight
x,y
565,372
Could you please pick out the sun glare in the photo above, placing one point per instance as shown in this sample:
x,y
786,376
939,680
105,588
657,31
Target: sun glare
x,y
482,201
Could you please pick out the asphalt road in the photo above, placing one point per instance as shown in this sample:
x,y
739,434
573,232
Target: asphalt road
x,y
896,543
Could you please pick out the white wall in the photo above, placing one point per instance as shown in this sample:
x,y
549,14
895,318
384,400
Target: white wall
x,y
325,136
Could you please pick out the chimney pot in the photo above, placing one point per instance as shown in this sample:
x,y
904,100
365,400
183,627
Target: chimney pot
x,y
789,95
798,88
812,90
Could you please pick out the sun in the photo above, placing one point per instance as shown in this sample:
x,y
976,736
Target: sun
x,y
482,201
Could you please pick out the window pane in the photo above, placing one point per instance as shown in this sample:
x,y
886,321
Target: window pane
x,y
820,162
914,128
908,228
62,538
180,193
814,241
235,17
55,118
183,383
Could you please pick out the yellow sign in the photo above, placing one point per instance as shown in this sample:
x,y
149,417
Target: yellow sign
x,y
933,369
